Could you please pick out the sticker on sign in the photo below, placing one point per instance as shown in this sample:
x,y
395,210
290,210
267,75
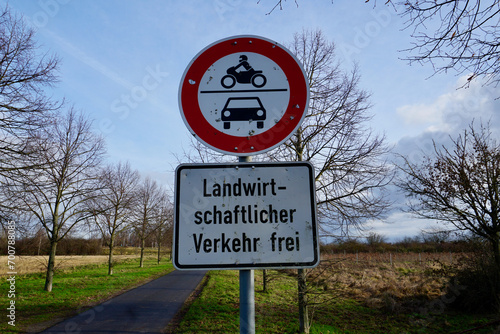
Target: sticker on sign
x,y
245,216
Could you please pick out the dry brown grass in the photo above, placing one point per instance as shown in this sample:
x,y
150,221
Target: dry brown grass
x,y
31,264
412,279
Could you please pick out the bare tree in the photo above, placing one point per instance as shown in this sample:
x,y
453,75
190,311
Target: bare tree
x,y
163,223
24,105
460,186
113,205
348,158
150,197
375,239
57,194
435,236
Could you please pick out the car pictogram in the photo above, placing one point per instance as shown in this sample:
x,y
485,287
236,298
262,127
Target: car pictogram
x,y
243,109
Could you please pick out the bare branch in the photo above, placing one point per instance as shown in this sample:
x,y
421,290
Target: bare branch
x,y
24,105
453,34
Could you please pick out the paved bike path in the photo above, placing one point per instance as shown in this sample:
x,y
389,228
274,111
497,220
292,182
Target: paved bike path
x,y
146,309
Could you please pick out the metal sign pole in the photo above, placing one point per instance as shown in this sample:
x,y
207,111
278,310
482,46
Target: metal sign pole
x,y
247,292
247,302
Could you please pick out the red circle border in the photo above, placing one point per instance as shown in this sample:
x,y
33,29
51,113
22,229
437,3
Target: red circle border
x,y
234,145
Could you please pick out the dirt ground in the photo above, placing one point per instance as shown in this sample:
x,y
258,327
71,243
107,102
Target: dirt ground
x,y
25,264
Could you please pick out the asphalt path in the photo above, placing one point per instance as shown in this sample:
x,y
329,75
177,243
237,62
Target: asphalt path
x,y
145,309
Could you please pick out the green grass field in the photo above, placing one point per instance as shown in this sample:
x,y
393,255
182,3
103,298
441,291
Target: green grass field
x,y
216,310
74,290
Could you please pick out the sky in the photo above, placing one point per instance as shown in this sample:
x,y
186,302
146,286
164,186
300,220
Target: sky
x,y
122,61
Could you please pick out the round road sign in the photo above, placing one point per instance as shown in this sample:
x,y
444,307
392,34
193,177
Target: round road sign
x,y
243,95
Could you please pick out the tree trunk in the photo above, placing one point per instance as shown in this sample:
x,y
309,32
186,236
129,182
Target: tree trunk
x,y
496,253
39,244
496,250
159,251
110,257
303,314
50,266
143,242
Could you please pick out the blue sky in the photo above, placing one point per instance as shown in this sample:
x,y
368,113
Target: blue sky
x,y
122,61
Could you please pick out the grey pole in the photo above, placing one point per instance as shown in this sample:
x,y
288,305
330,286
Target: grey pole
x,y
247,292
247,302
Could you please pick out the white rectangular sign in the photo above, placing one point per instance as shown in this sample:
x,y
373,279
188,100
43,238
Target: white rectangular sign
x,y
245,216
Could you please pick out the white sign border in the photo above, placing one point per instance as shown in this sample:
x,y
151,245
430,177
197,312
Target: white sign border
x,y
245,266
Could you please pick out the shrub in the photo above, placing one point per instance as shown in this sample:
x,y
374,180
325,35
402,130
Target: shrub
x,y
475,286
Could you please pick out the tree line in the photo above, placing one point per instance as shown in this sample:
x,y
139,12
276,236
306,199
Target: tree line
x,y
53,174
126,242
433,242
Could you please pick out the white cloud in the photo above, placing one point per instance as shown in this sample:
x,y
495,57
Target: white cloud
x,y
453,111
418,114
448,116
401,224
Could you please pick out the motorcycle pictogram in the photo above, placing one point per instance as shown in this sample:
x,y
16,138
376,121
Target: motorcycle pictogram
x,y
255,77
